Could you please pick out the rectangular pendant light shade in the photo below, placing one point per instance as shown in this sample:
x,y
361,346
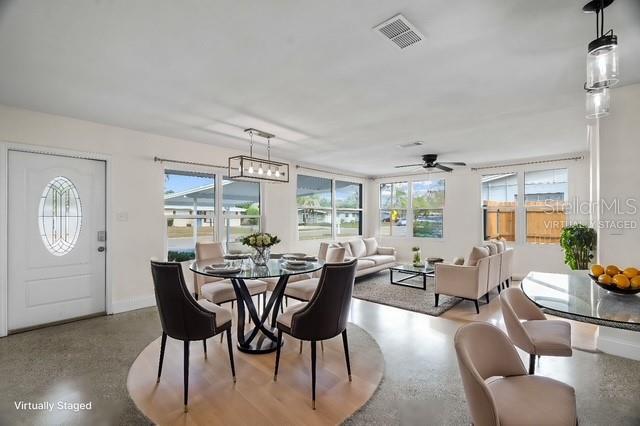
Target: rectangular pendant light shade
x,y
245,167
597,103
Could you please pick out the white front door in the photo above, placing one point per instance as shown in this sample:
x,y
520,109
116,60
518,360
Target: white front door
x,y
56,235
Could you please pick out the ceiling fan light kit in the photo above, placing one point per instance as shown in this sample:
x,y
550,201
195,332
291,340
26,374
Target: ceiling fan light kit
x,y
250,167
602,63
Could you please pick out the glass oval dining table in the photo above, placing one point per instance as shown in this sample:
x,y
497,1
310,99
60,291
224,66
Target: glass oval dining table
x,y
261,338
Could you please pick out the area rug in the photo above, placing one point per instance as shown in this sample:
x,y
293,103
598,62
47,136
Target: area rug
x,y
378,288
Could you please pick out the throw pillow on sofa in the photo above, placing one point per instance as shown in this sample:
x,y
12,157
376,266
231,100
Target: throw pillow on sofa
x,y
358,248
477,253
499,244
371,245
493,248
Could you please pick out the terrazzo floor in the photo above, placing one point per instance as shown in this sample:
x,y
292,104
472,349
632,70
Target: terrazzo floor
x,y
89,360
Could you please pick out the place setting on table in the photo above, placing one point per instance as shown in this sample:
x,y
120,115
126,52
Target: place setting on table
x,y
259,264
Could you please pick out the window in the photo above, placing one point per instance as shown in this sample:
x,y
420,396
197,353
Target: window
x,y
314,201
241,211
427,199
60,216
499,195
545,193
348,209
394,202
189,201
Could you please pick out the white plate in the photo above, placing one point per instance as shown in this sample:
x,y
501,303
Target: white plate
x,y
292,262
226,270
294,256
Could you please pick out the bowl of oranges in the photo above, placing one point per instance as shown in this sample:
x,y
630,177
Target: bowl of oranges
x,y
616,280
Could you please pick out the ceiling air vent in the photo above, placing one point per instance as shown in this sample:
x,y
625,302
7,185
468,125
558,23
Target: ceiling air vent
x,y
400,31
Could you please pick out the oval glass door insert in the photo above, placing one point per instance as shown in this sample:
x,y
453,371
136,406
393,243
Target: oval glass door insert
x,y
60,216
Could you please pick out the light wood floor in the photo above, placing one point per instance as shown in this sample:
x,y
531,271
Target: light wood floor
x,y
255,398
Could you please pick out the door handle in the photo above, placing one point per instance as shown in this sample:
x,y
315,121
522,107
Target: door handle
x,y
101,249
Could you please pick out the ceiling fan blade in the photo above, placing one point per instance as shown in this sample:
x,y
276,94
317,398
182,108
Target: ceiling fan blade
x,y
410,165
454,163
441,167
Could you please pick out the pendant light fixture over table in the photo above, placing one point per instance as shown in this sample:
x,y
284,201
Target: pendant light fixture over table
x,y
243,166
602,63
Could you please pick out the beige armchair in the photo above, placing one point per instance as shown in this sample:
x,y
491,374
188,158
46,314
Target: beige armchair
x,y
499,391
536,335
465,281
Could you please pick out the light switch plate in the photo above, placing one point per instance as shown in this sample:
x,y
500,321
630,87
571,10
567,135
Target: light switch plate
x,y
122,216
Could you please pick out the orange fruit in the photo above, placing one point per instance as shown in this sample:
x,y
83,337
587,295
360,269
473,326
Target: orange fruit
x,y
635,282
631,272
612,270
597,270
621,281
605,279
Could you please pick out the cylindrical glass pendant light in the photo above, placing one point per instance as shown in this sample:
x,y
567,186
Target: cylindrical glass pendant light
x,y
602,62
597,102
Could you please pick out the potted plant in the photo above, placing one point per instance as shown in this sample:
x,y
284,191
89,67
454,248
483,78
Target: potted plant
x,y
578,242
261,242
417,256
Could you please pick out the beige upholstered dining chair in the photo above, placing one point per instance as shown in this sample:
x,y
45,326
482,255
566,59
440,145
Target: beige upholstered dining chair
x,y
218,290
499,391
303,290
536,335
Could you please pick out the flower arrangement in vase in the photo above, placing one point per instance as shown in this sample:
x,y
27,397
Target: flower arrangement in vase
x,y
261,242
417,257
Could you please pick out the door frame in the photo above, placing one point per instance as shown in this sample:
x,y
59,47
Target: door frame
x,y
5,147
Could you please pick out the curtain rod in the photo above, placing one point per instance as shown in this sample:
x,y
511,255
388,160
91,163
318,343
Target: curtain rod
x,y
527,163
329,172
191,163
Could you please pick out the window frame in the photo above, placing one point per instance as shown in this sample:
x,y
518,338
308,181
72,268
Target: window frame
x,y
334,209
219,217
525,207
224,215
409,210
520,219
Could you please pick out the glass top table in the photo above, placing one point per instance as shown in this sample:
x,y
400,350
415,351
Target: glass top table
x,y
412,272
262,338
577,297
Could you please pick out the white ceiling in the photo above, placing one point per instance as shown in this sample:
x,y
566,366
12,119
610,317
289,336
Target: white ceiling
x,y
493,80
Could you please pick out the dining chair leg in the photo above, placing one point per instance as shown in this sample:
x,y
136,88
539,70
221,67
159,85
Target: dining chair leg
x,y
345,343
486,296
279,343
286,301
204,344
221,336
300,346
477,306
230,347
508,282
232,303
437,299
163,343
313,374
499,289
322,345
532,363
264,302
186,375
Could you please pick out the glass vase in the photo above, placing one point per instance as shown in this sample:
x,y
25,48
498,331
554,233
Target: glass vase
x,y
417,258
261,255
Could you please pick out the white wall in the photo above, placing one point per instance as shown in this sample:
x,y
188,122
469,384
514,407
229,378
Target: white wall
x,y
463,219
137,188
619,170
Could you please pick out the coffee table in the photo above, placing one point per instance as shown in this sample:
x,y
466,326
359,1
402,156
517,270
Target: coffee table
x,y
412,272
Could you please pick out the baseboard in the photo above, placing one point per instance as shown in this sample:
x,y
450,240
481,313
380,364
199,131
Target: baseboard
x,y
624,343
134,303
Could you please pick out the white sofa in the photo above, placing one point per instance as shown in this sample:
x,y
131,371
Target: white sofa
x,y
483,271
371,256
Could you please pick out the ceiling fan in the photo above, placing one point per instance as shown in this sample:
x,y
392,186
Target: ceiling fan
x,y
429,161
